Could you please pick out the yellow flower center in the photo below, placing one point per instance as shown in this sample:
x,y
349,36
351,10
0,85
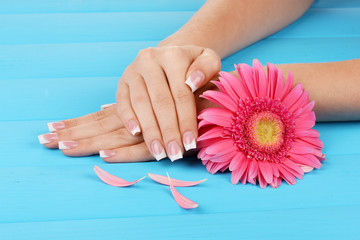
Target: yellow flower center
x,y
268,131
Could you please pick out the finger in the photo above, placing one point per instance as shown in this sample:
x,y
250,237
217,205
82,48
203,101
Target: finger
x,y
92,145
141,104
134,153
125,111
86,130
163,106
185,104
203,69
102,107
56,126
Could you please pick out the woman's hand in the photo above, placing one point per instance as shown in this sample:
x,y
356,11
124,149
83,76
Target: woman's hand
x,y
91,134
155,96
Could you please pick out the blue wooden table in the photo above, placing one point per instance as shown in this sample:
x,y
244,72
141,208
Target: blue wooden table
x,y
62,59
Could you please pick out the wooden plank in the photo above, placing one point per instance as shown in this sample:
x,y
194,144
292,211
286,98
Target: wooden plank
x,y
340,222
110,59
150,26
80,6
71,6
51,190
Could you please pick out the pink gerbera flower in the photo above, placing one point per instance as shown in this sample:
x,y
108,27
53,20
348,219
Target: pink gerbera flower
x,y
263,130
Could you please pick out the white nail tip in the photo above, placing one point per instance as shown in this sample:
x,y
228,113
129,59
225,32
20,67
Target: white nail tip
x,y
102,154
176,157
190,84
106,106
51,127
62,145
160,156
135,131
42,140
192,145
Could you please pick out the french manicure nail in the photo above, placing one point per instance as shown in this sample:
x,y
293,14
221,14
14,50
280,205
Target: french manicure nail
x,y
47,138
134,128
174,151
107,153
189,140
102,107
158,150
195,79
63,145
54,126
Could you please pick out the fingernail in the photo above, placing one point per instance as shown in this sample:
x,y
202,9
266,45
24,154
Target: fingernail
x,y
107,153
195,79
189,141
134,128
174,151
158,150
54,126
47,138
102,107
67,145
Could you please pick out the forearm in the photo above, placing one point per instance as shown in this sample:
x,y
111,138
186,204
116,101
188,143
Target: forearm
x,y
236,23
335,87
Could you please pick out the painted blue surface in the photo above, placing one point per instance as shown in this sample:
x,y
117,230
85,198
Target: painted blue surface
x,y
62,59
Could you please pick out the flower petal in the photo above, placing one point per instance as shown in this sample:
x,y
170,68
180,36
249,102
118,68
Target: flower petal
x,y
307,160
230,83
301,149
279,85
272,76
293,96
212,133
180,199
266,170
221,99
260,78
288,85
176,183
219,86
253,169
236,161
218,116
219,146
245,73
113,180
225,155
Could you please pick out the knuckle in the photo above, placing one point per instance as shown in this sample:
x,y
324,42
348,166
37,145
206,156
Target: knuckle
x,y
214,62
169,132
146,53
162,102
122,132
174,52
102,126
66,134
182,95
98,115
139,99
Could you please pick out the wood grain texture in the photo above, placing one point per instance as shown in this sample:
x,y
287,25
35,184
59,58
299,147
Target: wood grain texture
x,y
63,59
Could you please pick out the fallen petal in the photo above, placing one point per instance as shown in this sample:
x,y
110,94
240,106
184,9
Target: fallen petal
x,y
113,180
176,183
180,199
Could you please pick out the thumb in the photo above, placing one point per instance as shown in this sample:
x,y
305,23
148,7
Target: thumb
x,y
203,69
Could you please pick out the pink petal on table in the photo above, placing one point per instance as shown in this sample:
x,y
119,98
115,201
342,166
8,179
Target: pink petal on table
x,y
176,183
180,199
113,180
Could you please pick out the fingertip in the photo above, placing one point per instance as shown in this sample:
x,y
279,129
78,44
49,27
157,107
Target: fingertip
x,y
133,127
195,80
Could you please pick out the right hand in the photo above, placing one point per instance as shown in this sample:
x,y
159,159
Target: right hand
x,y
153,97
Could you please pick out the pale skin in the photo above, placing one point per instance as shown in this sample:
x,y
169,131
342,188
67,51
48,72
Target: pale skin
x,y
149,96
